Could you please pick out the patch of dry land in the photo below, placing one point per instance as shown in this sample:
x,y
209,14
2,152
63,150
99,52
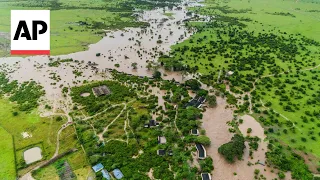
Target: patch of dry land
x,y
215,122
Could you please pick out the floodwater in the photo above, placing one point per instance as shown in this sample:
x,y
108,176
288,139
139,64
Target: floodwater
x,y
136,45
123,47
250,122
215,123
32,155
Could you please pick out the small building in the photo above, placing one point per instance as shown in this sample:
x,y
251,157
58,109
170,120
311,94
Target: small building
x,y
202,154
202,99
161,152
117,174
229,73
194,132
97,168
196,102
101,90
153,123
170,152
205,176
162,140
105,174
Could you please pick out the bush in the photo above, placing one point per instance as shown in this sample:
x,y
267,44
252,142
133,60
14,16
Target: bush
x,y
15,113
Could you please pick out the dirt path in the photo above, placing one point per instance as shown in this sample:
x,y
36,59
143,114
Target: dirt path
x,y
106,128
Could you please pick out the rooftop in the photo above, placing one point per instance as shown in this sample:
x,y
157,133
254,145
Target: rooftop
x,y
162,140
97,167
201,151
105,174
195,132
161,152
117,174
101,90
205,176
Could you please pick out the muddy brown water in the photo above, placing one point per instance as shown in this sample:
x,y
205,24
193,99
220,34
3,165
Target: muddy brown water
x,y
116,48
215,123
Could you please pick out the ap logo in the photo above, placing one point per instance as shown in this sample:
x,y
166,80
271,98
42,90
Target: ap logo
x,y
30,32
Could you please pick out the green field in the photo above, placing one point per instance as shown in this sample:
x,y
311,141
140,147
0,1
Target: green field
x,y
77,160
298,100
76,24
7,165
43,131
257,40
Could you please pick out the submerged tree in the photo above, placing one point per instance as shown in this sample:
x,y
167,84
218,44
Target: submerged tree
x,y
233,149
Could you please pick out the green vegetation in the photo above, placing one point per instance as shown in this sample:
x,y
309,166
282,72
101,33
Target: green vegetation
x,y
7,165
114,134
295,96
265,53
26,95
285,160
233,149
76,24
77,165
43,131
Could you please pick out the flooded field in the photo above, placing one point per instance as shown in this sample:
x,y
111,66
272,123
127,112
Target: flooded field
x,y
215,123
117,50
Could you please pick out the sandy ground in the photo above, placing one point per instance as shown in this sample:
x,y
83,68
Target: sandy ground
x,y
215,123
32,155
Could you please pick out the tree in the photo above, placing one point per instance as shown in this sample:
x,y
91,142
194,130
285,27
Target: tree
x,y
281,175
149,65
204,140
212,100
249,130
134,65
233,149
193,84
157,74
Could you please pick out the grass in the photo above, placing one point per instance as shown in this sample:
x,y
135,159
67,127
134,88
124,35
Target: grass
x,y
7,164
298,101
67,34
76,160
43,131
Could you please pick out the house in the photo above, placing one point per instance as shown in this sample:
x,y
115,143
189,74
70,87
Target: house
x,y
194,132
105,174
202,99
202,154
153,123
117,174
205,176
161,152
101,90
97,168
162,140
196,102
